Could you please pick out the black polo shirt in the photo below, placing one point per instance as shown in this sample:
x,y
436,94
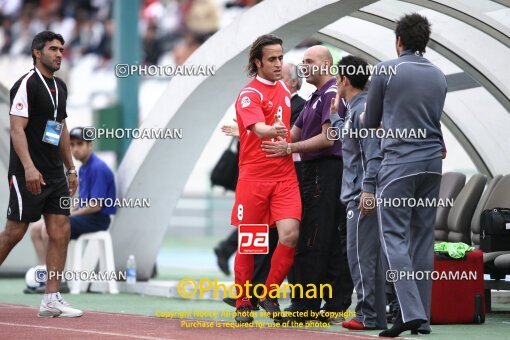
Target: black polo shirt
x,y
30,99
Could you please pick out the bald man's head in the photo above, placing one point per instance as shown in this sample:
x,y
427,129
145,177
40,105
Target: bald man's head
x,y
321,53
319,60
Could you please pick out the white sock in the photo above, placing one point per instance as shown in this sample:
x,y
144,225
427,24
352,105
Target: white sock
x,y
51,297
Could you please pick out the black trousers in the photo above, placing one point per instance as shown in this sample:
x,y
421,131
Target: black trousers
x,y
321,254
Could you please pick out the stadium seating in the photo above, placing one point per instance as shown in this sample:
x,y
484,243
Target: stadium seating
x,y
502,264
451,185
498,198
495,196
461,214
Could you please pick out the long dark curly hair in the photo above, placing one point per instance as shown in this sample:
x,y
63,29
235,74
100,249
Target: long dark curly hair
x,y
256,50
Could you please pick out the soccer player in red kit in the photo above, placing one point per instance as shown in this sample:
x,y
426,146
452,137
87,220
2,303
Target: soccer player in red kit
x,y
267,190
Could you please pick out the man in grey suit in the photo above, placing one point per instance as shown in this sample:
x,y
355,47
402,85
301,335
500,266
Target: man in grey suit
x,y
410,99
362,159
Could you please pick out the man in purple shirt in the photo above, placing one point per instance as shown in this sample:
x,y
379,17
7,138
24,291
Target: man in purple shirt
x,y
321,251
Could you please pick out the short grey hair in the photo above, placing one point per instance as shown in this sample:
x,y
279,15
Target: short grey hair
x,y
294,75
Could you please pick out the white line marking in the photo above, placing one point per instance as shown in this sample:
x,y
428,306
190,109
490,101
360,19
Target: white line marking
x,y
82,331
348,334
20,201
302,330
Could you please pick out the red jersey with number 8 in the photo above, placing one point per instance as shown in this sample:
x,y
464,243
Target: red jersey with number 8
x,y
260,101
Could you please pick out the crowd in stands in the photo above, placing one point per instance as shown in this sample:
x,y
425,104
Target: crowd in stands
x,y
165,26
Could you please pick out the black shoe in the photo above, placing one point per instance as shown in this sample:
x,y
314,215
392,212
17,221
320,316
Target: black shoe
x,y
399,327
244,314
419,331
391,316
232,303
271,306
293,307
222,261
229,301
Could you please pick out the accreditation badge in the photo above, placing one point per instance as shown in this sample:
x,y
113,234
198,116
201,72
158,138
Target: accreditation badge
x,y
52,132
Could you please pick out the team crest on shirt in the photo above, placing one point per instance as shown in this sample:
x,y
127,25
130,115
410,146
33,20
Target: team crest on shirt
x,y
350,214
314,106
19,106
270,104
245,101
287,101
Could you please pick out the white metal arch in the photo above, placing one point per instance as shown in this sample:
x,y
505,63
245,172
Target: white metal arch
x,y
463,11
361,33
347,45
458,41
159,169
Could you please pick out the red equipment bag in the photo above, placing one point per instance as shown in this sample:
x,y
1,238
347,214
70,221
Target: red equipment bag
x,y
458,291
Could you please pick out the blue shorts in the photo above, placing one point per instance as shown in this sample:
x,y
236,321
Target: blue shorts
x,y
83,224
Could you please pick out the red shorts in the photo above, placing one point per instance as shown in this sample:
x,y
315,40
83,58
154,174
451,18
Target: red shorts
x,y
266,202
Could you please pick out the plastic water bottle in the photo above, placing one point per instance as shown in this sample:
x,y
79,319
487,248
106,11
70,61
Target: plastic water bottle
x,y
131,270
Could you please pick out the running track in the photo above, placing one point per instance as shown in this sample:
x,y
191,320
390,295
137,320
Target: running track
x,y
21,322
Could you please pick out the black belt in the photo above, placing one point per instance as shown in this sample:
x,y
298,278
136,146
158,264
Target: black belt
x,y
323,158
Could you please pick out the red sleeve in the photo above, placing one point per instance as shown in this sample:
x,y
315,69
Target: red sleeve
x,y
248,106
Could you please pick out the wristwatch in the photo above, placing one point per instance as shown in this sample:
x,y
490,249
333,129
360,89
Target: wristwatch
x,y
289,150
71,171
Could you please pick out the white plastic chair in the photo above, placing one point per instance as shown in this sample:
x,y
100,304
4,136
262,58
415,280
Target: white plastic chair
x,y
84,254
